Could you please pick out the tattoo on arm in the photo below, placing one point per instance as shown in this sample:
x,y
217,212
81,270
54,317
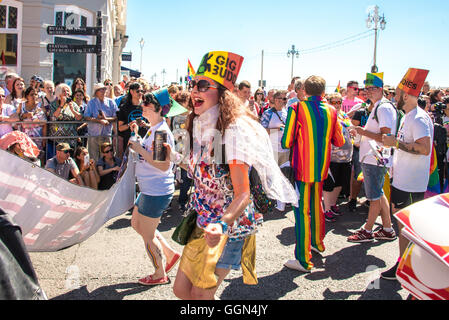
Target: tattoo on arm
x,y
407,148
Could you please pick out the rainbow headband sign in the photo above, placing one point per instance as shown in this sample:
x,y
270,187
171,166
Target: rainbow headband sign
x,y
222,67
413,81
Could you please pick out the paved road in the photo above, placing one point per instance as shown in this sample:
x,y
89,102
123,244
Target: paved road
x,y
107,265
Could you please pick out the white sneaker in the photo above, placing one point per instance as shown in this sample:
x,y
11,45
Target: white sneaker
x,y
316,250
294,264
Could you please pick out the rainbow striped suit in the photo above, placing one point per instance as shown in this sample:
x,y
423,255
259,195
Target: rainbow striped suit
x,y
311,127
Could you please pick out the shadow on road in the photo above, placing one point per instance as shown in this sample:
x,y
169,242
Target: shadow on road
x,y
112,292
271,287
379,289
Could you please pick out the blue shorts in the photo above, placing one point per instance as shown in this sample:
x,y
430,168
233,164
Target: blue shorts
x,y
231,256
374,178
153,206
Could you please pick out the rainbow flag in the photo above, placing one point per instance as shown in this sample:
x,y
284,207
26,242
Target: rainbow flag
x,y
338,89
433,187
190,71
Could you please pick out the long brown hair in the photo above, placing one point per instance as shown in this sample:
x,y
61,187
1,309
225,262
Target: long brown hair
x,y
231,108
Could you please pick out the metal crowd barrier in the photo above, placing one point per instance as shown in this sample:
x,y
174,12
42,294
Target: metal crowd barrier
x,y
114,136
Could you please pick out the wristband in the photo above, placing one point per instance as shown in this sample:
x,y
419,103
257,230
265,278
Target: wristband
x,y
224,225
397,143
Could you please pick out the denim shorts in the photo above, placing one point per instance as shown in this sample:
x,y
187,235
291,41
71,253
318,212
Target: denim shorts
x,y
231,256
153,206
374,178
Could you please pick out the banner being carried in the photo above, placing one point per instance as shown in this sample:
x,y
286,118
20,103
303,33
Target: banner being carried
x,y
54,213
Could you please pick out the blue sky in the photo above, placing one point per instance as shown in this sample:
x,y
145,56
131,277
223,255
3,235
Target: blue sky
x,y
416,35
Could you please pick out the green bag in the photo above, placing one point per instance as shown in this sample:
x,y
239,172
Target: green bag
x,y
184,230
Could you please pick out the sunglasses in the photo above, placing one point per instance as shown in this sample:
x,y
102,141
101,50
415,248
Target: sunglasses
x,y
107,151
336,102
2,96
65,151
259,93
108,84
354,88
284,99
202,85
140,91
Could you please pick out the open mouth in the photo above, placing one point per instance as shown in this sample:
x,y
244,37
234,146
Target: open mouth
x,y
198,102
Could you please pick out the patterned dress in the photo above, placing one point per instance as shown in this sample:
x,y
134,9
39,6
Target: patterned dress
x,y
213,193
34,130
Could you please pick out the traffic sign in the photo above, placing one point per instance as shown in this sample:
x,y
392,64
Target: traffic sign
x,y
83,31
127,56
73,48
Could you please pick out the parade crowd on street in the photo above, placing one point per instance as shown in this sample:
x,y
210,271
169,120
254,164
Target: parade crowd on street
x,y
309,149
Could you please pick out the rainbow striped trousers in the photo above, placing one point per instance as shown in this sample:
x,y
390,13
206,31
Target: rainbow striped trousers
x,y
310,223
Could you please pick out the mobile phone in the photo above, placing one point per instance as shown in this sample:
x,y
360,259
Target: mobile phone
x,y
86,160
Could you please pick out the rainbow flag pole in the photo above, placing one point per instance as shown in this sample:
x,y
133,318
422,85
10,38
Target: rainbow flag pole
x,y
190,71
338,89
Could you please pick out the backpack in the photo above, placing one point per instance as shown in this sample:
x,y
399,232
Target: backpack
x,y
399,115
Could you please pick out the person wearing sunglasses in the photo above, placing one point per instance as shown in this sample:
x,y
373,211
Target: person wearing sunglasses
x,y
130,110
351,99
339,178
226,223
108,167
63,164
100,114
156,185
273,120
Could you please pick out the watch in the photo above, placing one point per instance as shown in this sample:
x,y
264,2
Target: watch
x,y
224,225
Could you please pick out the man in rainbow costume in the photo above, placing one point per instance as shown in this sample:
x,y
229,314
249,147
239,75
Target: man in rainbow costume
x,y
311,127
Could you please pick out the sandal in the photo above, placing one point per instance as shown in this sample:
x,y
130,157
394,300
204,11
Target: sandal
x,y
149,281
173,262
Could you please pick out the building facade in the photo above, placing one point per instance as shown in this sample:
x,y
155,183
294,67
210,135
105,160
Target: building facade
x,y
24,39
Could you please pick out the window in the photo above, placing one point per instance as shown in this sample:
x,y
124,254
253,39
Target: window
x,y
10,34
3,10
68,67
12,17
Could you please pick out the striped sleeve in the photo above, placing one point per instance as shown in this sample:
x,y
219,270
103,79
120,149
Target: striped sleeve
x,y
288,137
338,139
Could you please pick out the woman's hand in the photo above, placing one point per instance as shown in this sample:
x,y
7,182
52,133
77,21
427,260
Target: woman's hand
x,y
213,234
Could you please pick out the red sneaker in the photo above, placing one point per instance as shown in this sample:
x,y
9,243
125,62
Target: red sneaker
x,y
149,281
361,236
169,266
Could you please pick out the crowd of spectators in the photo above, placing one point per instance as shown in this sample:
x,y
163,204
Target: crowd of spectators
x,y
80,136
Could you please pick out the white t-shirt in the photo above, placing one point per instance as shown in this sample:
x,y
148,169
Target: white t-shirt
x,y
386,115
7,111
411,171
152,181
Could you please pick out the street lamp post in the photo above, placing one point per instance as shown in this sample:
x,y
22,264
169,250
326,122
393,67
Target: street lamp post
x,y
374,18
163,76
142,43
293,53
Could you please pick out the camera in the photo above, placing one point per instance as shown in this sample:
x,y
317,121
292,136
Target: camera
x,y
439,107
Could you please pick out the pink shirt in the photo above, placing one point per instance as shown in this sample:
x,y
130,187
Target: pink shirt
x,y
348,104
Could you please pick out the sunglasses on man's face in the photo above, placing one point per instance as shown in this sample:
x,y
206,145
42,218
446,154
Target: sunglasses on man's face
x,y
202,85
354,88
336,102
107,151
